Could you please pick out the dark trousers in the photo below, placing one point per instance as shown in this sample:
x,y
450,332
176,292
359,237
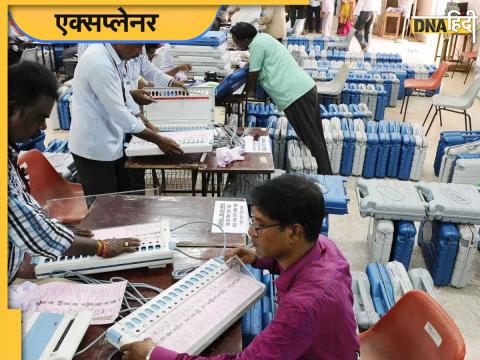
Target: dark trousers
x,y
362,27
311,10
102,177
296,12
304,115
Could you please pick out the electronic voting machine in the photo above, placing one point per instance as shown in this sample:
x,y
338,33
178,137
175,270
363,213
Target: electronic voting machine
x,y
186,117
47,336
154,251
193,312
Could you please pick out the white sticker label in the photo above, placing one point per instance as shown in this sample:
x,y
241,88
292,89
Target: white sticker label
x,y
437,339
263,159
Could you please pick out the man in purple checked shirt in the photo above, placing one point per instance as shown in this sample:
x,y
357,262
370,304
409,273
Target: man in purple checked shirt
x,y
314,319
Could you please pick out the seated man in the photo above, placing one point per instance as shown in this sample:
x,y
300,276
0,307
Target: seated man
x,y
314,318
32,91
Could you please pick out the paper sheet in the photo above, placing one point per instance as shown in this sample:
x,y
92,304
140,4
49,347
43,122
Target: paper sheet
x,y
104,300
232,216
260,146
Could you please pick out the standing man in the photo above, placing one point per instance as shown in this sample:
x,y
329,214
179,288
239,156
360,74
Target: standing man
x,y
290,87
274,18
32,91
365,13
101,118
248,14
328,8
313,8
314,317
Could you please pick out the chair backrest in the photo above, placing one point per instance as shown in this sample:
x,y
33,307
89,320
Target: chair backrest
x,y
341,78
415,328
45,182
298,26
471,93
442,69
349,37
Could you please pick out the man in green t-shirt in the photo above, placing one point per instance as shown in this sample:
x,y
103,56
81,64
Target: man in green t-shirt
x,y
290,87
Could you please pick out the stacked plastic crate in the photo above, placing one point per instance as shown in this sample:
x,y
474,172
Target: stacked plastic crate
x,y
377,289
458,157
206,53
447,214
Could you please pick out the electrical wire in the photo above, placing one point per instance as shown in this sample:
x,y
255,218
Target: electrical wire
x,y
203,222
91,344
226,136
132,294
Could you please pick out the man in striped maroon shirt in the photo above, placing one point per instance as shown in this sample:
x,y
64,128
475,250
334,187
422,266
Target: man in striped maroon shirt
x,y
314,319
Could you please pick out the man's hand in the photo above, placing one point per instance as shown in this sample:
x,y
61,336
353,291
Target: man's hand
x,y
142,83
120,246
246,255
168,146
141,97
152,127
137,350
147,123
176,83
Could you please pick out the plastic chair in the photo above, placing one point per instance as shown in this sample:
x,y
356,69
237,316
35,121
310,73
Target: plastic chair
x,y
334,87
345,43
415,328
432,83
470,56
298,27
456,104
46,184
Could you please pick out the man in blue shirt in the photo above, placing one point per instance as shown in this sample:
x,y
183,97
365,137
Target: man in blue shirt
x,y
290,87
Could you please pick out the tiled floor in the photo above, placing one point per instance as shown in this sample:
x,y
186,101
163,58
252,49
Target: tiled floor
x,y
350,231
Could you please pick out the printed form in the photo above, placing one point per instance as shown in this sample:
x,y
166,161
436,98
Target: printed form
x,y
103,300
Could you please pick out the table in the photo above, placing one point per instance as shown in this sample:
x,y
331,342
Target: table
x,y
254,163
115,210
118,210
180,162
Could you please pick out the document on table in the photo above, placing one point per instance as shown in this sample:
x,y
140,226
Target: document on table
x,y
103,300
262,145
232,216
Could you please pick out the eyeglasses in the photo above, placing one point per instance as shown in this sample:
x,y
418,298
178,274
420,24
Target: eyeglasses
x,y
256,229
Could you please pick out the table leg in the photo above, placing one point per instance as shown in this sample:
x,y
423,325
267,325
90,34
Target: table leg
x,y
204,184
194,182
213,184
51,56
155,183
43,55
219,183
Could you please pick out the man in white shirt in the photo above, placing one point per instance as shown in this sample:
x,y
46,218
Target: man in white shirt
x,y
365,13
328,8
159,55
274,19
248,14
101,118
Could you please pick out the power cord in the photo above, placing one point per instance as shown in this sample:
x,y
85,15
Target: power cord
x,y
132,294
